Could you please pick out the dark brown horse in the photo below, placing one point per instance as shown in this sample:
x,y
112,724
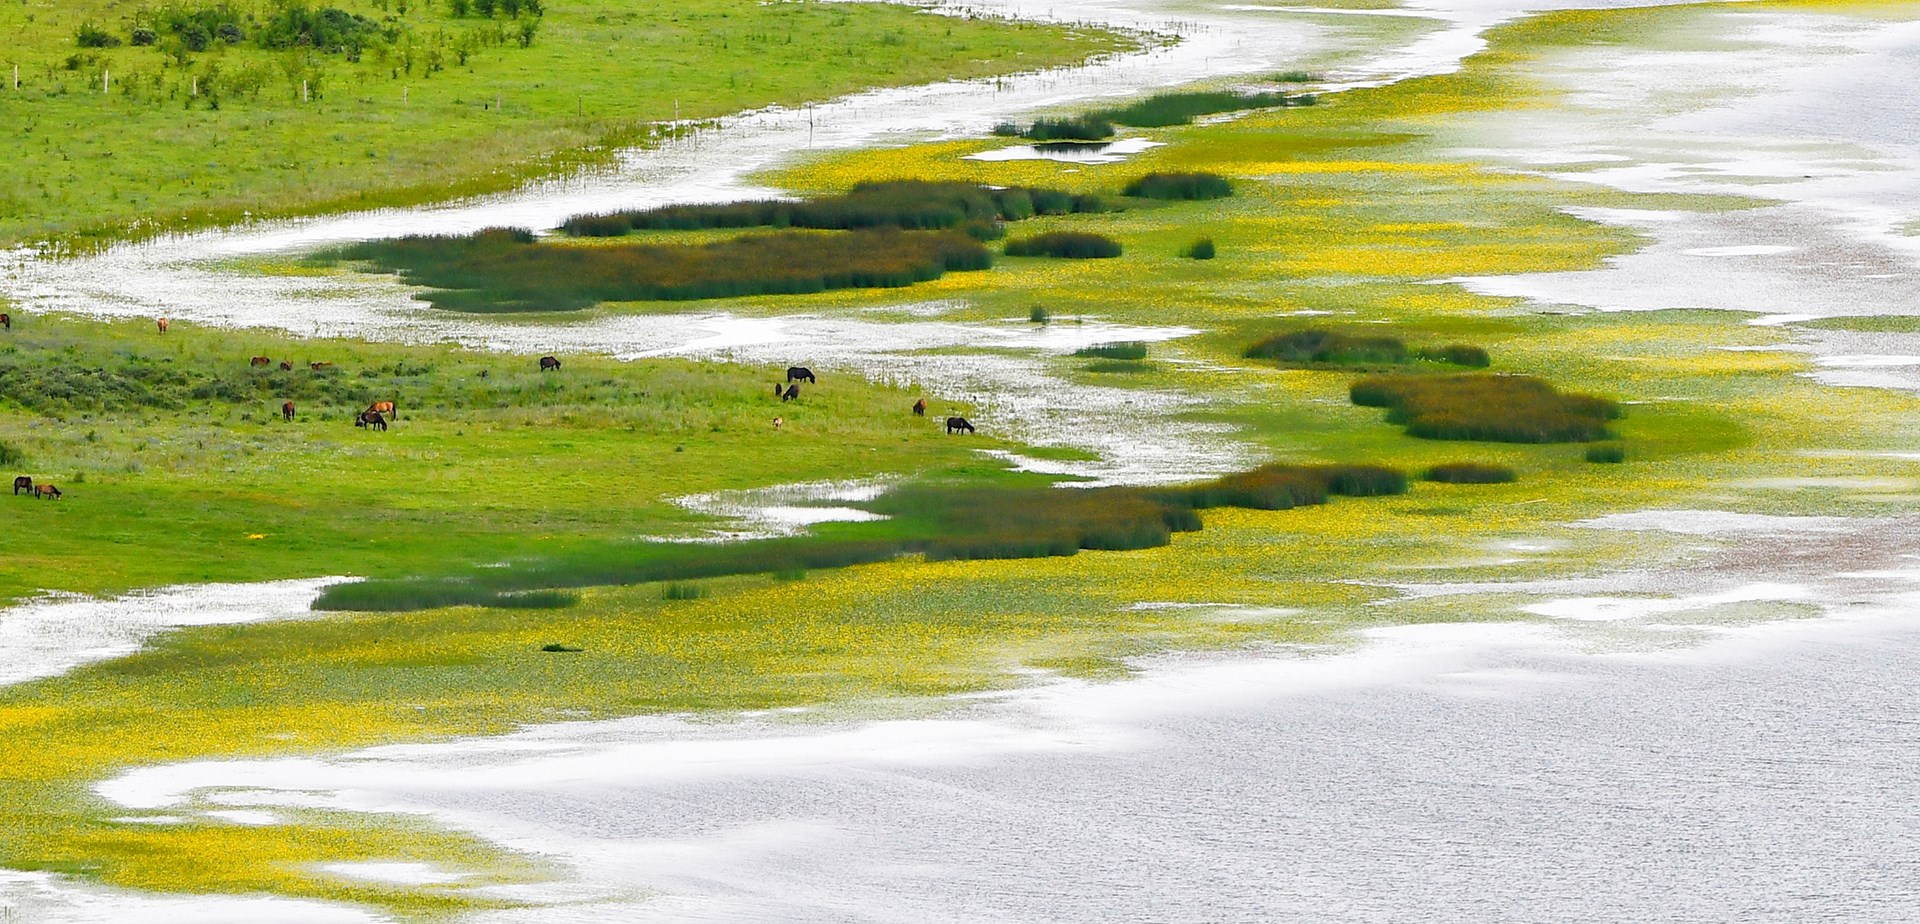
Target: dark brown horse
x,y
258,361
800,373
6,320
46,492
317,367
778,389
22,483
955,424
372,420
286,411
791,394
549,363
286,365
920,408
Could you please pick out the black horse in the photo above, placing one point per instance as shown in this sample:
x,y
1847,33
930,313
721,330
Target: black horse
x,y
22,483
371,419
920,408
955,424
6,320
800,373
791,394
548,363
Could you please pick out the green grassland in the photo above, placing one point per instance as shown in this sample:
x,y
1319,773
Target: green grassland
x,y
414,118
1347,207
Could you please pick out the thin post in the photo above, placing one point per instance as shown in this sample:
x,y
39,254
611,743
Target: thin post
x,y
106,79
303,90
16,76
403,95
195,91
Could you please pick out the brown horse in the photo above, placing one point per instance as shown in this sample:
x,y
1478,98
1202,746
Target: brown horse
x,y
320,366
22,483
259,361
46,492
6,320
371,420
163,323
955,424
286,411
384,407
549,363
920,408
286,365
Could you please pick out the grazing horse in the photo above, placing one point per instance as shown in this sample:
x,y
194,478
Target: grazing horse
x,y
384,407
286,411
319,366
46,491
800,373
6,320
22,483
791,394
955,424
258,361
548,363
920,408
286,365
162,322
778,388
371,419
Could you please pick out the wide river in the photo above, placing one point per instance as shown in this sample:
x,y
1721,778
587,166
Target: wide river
x,y
1728,742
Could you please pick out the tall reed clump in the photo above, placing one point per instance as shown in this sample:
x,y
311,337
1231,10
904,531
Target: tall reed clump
x,y
1607,455
1201,249
908,204
1072,245
1458,354
1124,349
939,522
1092,127
1180,186
507,270
1470,473
1493,408
1181,108
1325,347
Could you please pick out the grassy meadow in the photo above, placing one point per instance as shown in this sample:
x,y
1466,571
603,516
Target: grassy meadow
x,y
1345,217
109,142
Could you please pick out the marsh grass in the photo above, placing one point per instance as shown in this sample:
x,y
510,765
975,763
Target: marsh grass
x,y
1090,127
1125,349
1316,346
1458,354
1181,108
905,204
1180,186
1070,245
507,270
1493,408
683,591
1470,473
1612,454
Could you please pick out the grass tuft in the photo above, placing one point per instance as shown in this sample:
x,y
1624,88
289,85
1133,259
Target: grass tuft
x,y
1493,408
1607,455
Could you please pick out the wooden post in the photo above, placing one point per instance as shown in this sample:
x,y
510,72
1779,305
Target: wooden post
x,y
16,76
106,80
195,91
303,90
403,95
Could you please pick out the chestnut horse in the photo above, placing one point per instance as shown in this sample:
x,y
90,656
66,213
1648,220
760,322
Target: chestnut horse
x,y
920,408
46,491
258,361
286,411
163,322
384,407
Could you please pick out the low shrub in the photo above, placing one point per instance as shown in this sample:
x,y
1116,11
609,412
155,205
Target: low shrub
x,y
1071,245
557,647
1316,346
1201,249
507,270
1470,473
1126,349
1039,315
1180,186
1493,408
1458,354
683,592
92,36
1607,455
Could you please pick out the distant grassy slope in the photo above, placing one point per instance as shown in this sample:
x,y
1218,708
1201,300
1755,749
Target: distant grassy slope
x,y
383,130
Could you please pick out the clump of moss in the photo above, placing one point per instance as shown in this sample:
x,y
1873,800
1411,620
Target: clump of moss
x,y
1493,408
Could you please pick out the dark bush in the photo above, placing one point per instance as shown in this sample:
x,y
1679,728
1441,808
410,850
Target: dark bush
x,y
1495,408
1180,186
1039,315
508,270
1607,455
327,29
911,205
1079,128
557,647
92,36
1458,354
1315,346
1182,108
1072,245
683,592
1201,249
1470,473
1126,349
141,38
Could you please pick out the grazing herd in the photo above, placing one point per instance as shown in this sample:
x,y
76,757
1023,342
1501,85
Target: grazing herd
x,y
380,413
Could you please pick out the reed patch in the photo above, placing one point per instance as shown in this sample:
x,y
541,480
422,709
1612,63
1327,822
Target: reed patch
x,y
1492,408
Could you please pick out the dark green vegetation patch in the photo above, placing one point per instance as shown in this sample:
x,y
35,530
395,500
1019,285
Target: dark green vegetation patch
x,y
939,522
1180,186
1071,245
1470,473
1181,108
1607,455
907,204
1124,349
1091,127
509,270
1321,347
1492,408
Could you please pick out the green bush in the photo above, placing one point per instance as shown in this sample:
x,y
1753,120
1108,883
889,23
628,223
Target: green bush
x,y
1494,408
92,36
508,270
1039,315
1180,186
1201,249
1470,473
1607,455
1316,346
683,592
1072,245
1126,349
